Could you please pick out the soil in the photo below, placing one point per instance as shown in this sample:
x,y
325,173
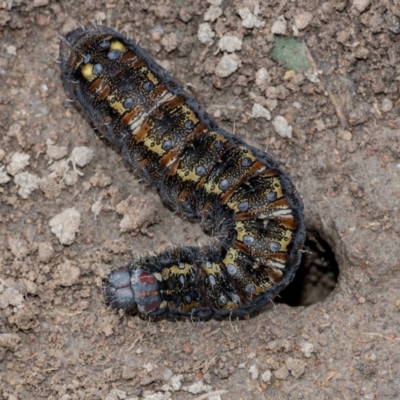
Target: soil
x,y
59,340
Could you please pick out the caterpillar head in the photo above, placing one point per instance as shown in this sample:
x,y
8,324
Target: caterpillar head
x,y
132,291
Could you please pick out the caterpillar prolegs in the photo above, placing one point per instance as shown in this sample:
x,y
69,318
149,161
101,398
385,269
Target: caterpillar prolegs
x,y
238,192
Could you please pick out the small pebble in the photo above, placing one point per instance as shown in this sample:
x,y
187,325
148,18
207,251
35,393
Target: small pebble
x,y
360,114
282,373
266,376
100,180
344,134
96,207
128,372
297,105
100,16
65,225
187,348
253,371
215,2
14,129
230,43
30,286
107,330
170,42
213,13
296,367
307,349
19,247
313,76
51,186
387,105
289,75
279,26
9,340
157,32
176,382
82,156
45,252
302,20
249,20
343,36
56,152
323,340
11,297
4,177
281,126
271,104
185,15
199,387
19,161
67,274
362,53
258,111
262,77
361,5
167,374
205,34
272,92
11,50
228,64
71,178
60,167
27,183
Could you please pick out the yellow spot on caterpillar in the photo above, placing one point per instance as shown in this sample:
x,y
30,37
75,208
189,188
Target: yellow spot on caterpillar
x,y
230,305
212,187
231,257
151,77
188,175
240,229
155,148
190,306
116,45
87,72
214,270
278,188
175,270
116,105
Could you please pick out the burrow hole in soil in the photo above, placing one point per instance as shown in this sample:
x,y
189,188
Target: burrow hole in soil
x,y
316,277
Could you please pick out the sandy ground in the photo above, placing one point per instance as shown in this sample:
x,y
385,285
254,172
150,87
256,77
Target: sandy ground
x,y
58,340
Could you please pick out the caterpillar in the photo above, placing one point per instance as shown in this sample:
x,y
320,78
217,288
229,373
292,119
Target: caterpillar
x,y
241,197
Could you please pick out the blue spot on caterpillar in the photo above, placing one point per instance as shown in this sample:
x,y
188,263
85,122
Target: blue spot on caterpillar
x,y
238,192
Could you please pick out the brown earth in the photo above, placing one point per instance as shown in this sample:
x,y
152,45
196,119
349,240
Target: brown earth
x,y
58,340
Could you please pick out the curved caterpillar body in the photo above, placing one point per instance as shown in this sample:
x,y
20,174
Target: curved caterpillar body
x,y
237,191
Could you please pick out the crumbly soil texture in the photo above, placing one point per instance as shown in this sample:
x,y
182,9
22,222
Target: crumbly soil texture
x,y
71,211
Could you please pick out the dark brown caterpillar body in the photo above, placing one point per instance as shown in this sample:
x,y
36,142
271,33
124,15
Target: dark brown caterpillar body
x,y
237,191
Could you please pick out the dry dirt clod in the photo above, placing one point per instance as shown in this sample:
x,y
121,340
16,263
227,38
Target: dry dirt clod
x,y
66,225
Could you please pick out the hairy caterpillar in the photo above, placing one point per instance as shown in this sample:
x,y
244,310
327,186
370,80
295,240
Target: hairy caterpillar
x,y
237,191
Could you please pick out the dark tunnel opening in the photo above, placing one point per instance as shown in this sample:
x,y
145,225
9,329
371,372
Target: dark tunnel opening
x,y
316,277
